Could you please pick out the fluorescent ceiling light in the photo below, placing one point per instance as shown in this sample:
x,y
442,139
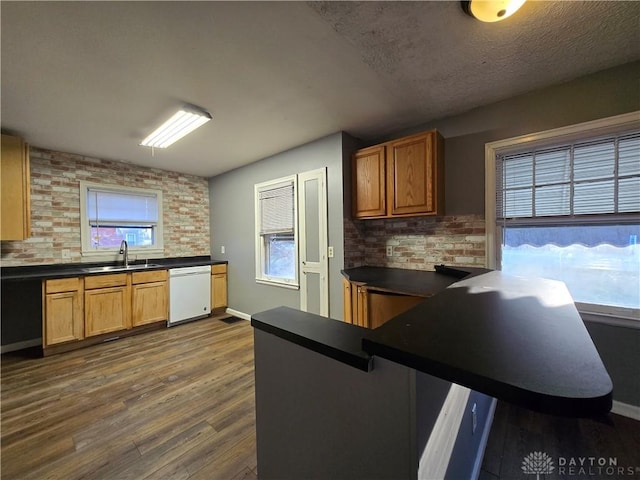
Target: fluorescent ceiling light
x,y
491,10
184,121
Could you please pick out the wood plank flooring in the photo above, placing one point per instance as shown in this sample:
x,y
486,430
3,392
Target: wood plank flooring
x,y
516,432
176,403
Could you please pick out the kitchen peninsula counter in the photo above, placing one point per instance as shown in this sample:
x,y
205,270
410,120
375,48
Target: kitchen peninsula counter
x,y
414,398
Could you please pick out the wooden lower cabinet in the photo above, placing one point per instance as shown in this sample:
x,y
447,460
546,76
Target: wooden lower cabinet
x,y
218,286
63,317
107,304
371,308
150,297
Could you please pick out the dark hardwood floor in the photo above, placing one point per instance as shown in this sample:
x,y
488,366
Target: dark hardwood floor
x,y
517,432
178,403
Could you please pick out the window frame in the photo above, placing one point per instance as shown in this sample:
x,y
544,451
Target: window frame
x,y
583,131
260,249
85,228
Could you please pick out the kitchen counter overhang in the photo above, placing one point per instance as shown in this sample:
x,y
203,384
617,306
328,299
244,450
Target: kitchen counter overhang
x,y
516,339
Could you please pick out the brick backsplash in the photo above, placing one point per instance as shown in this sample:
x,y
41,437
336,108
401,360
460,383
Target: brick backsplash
x,y
418,243
55,207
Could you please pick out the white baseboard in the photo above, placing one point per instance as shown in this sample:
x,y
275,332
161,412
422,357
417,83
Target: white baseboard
x,y
12,347
626,410
484,440
236,313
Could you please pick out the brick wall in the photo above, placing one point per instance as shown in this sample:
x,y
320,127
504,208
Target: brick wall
x,y
55,207
418,243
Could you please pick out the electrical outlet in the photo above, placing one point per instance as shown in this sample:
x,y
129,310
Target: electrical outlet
x,y
474,418
330,252
222,249
389,250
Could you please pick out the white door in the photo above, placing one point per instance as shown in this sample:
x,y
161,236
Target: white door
x,y
312,224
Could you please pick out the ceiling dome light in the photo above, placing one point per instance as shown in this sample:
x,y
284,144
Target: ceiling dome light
x,y
491,10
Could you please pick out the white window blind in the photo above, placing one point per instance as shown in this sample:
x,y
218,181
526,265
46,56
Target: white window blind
x,y
590,178
105,207
277,210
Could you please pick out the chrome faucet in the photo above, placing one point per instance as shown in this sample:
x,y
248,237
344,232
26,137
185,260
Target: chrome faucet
x,y
124,250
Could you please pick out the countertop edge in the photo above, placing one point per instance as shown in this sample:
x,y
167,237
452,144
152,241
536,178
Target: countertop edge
x,y
273,321
50,271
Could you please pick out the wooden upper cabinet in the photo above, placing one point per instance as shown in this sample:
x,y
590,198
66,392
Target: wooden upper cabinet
x,y
368,172
411,179
15,189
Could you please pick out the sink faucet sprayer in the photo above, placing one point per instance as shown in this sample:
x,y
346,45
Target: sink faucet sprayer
x,y
124,249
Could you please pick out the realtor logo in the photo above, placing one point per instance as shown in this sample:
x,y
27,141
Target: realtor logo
x,y
537,463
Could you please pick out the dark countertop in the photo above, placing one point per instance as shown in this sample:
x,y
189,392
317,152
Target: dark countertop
x,y
517,339
64,270
333,338
409,282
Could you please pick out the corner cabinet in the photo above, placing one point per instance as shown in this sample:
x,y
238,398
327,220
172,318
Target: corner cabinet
x,y
218,287
15,189
403,177
370,308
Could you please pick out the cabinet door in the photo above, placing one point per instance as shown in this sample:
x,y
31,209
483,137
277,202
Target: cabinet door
x,y
107,310
368,183
346,300
383,306
412,175
63,319
218,290
150,303
15,189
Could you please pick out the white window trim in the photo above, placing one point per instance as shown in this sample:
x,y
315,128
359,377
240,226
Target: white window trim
x,y
259,247
627,121
85,231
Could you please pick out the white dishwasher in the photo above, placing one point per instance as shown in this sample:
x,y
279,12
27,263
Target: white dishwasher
x,y
189,293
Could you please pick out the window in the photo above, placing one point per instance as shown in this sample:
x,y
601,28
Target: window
x,y
276,232
565,205
113,214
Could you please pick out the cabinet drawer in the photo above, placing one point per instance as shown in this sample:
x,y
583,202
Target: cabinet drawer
x,y
62,285
222,268
100,281
148,277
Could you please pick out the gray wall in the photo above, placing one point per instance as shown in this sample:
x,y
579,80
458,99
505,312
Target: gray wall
x,y
232,222
607,93
603,94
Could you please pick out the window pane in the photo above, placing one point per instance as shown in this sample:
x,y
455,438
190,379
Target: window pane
x,y
594,161
599,264
553,200
553,167
518,203
629,195
280,256
104,237
518,171
594,197
629,156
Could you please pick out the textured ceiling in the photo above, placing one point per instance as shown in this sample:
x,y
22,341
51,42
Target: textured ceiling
x,y
94,78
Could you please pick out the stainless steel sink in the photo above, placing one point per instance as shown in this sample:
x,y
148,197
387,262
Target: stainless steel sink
x,y
119,268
